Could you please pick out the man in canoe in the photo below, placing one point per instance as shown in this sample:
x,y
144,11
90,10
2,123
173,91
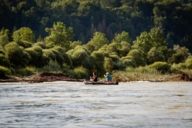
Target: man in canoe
x,y
108,76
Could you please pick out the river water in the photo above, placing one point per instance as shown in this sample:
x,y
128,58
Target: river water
x,y
74,105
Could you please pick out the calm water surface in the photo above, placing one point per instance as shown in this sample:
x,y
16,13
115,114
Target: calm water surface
x,y
74,105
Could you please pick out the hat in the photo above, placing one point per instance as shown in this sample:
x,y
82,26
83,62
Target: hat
x,y
107,73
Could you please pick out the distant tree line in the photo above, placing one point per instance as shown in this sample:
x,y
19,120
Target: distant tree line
x,y
172,17
23,54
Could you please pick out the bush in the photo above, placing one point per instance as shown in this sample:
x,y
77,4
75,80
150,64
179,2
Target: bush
x,y
162,67
26,71
79,56
127,61
108,64
55,53
36,55
16,55
188,62
80,73
23,34
137,57
4,71
178,67
3,60
52,67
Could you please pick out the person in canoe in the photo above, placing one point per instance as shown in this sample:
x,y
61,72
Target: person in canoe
x,y
93,77
108,76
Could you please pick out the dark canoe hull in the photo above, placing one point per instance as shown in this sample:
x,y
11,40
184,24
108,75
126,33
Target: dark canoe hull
x,y
100,83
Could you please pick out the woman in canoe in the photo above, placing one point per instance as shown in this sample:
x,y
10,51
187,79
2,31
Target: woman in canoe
x,y
93,77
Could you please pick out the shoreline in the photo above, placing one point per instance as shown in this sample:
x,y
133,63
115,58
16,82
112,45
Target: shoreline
x,y
51,77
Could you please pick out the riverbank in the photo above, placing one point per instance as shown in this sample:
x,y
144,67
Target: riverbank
x,y
135,76
118,76
41,77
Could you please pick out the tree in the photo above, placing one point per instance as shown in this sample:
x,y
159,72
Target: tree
x,y
59,34
16,55
157,54
98,40
179,55
4,38
108,64
24,36
80,56
122,37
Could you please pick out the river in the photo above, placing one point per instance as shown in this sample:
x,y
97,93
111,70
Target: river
x,y
74,105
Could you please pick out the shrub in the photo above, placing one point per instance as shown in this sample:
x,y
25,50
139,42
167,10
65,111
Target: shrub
x,y
188,62
23,34
178,67
127,61
26,71
4,71
52,67
55,53
108,64
3,60
162,67
79,56
137,57
80,72
16,55
36,55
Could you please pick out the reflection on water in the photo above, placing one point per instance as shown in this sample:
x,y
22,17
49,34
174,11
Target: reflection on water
x,y
74,105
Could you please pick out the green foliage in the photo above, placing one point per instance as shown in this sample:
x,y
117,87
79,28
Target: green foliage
x,y
16,55
80,56
3,60
98,40
137,57
178,67
127,61
108,64
153,25
180,54
147,40
122,37
74,44
80,72
4,71
108,16
59,34
188,62
24,36
4,38
52,67
36,55
55,53
98,60
162,67
27,71
157,54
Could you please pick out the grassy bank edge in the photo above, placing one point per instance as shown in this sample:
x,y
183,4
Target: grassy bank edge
x,y
120,76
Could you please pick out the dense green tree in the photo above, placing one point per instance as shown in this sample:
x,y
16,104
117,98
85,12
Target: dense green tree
x,y
98,40
4,38
59,34
23,36
16,55
122,37
80,56
108,64
180,54
36,55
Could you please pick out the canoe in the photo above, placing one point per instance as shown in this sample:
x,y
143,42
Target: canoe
x,y
101,83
